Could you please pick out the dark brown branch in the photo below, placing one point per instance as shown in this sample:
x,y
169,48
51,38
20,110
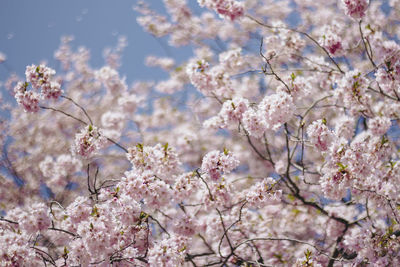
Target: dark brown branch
x,y
65,113
76,104
365,45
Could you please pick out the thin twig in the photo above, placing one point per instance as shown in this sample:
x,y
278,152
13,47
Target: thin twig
x,y
83,109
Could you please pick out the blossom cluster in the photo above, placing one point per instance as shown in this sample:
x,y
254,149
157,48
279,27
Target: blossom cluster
x,y
216,163
88,141
273,144
355,8
40,78
230,8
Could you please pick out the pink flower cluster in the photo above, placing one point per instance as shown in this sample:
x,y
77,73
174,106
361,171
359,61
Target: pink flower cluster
x,y
355,8
40,77
226,8
43,77
29,100
263,193
273,111
161,160
209,81
168,252
276,109
16,250
380,247
379,125
33,219
352,88
88,141
148,187
254,123
320,135
231,113
332,42
103,228
111,80
216,163
389,80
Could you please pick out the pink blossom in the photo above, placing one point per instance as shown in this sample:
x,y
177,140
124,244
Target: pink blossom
x,y
229,8
355,8
185,184
344,127
215,163
320,135
263,193
253,123
352,88
197,72
111,80
168,252
129,102
39,75
231,112
29,100
145,185
79,210
51,90
15,250
276,109
379,125
33,219
333,43
162,160
88,141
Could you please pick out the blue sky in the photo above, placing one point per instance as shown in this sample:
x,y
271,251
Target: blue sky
x,y
30,32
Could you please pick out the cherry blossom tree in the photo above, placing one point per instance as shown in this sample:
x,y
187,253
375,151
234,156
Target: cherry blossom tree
x,y
275,144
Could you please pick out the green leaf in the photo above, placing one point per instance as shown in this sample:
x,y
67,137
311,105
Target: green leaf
x,y
341,166
307,253
226,151
139,147
291,197
95,212
384,140
143,215
165,147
